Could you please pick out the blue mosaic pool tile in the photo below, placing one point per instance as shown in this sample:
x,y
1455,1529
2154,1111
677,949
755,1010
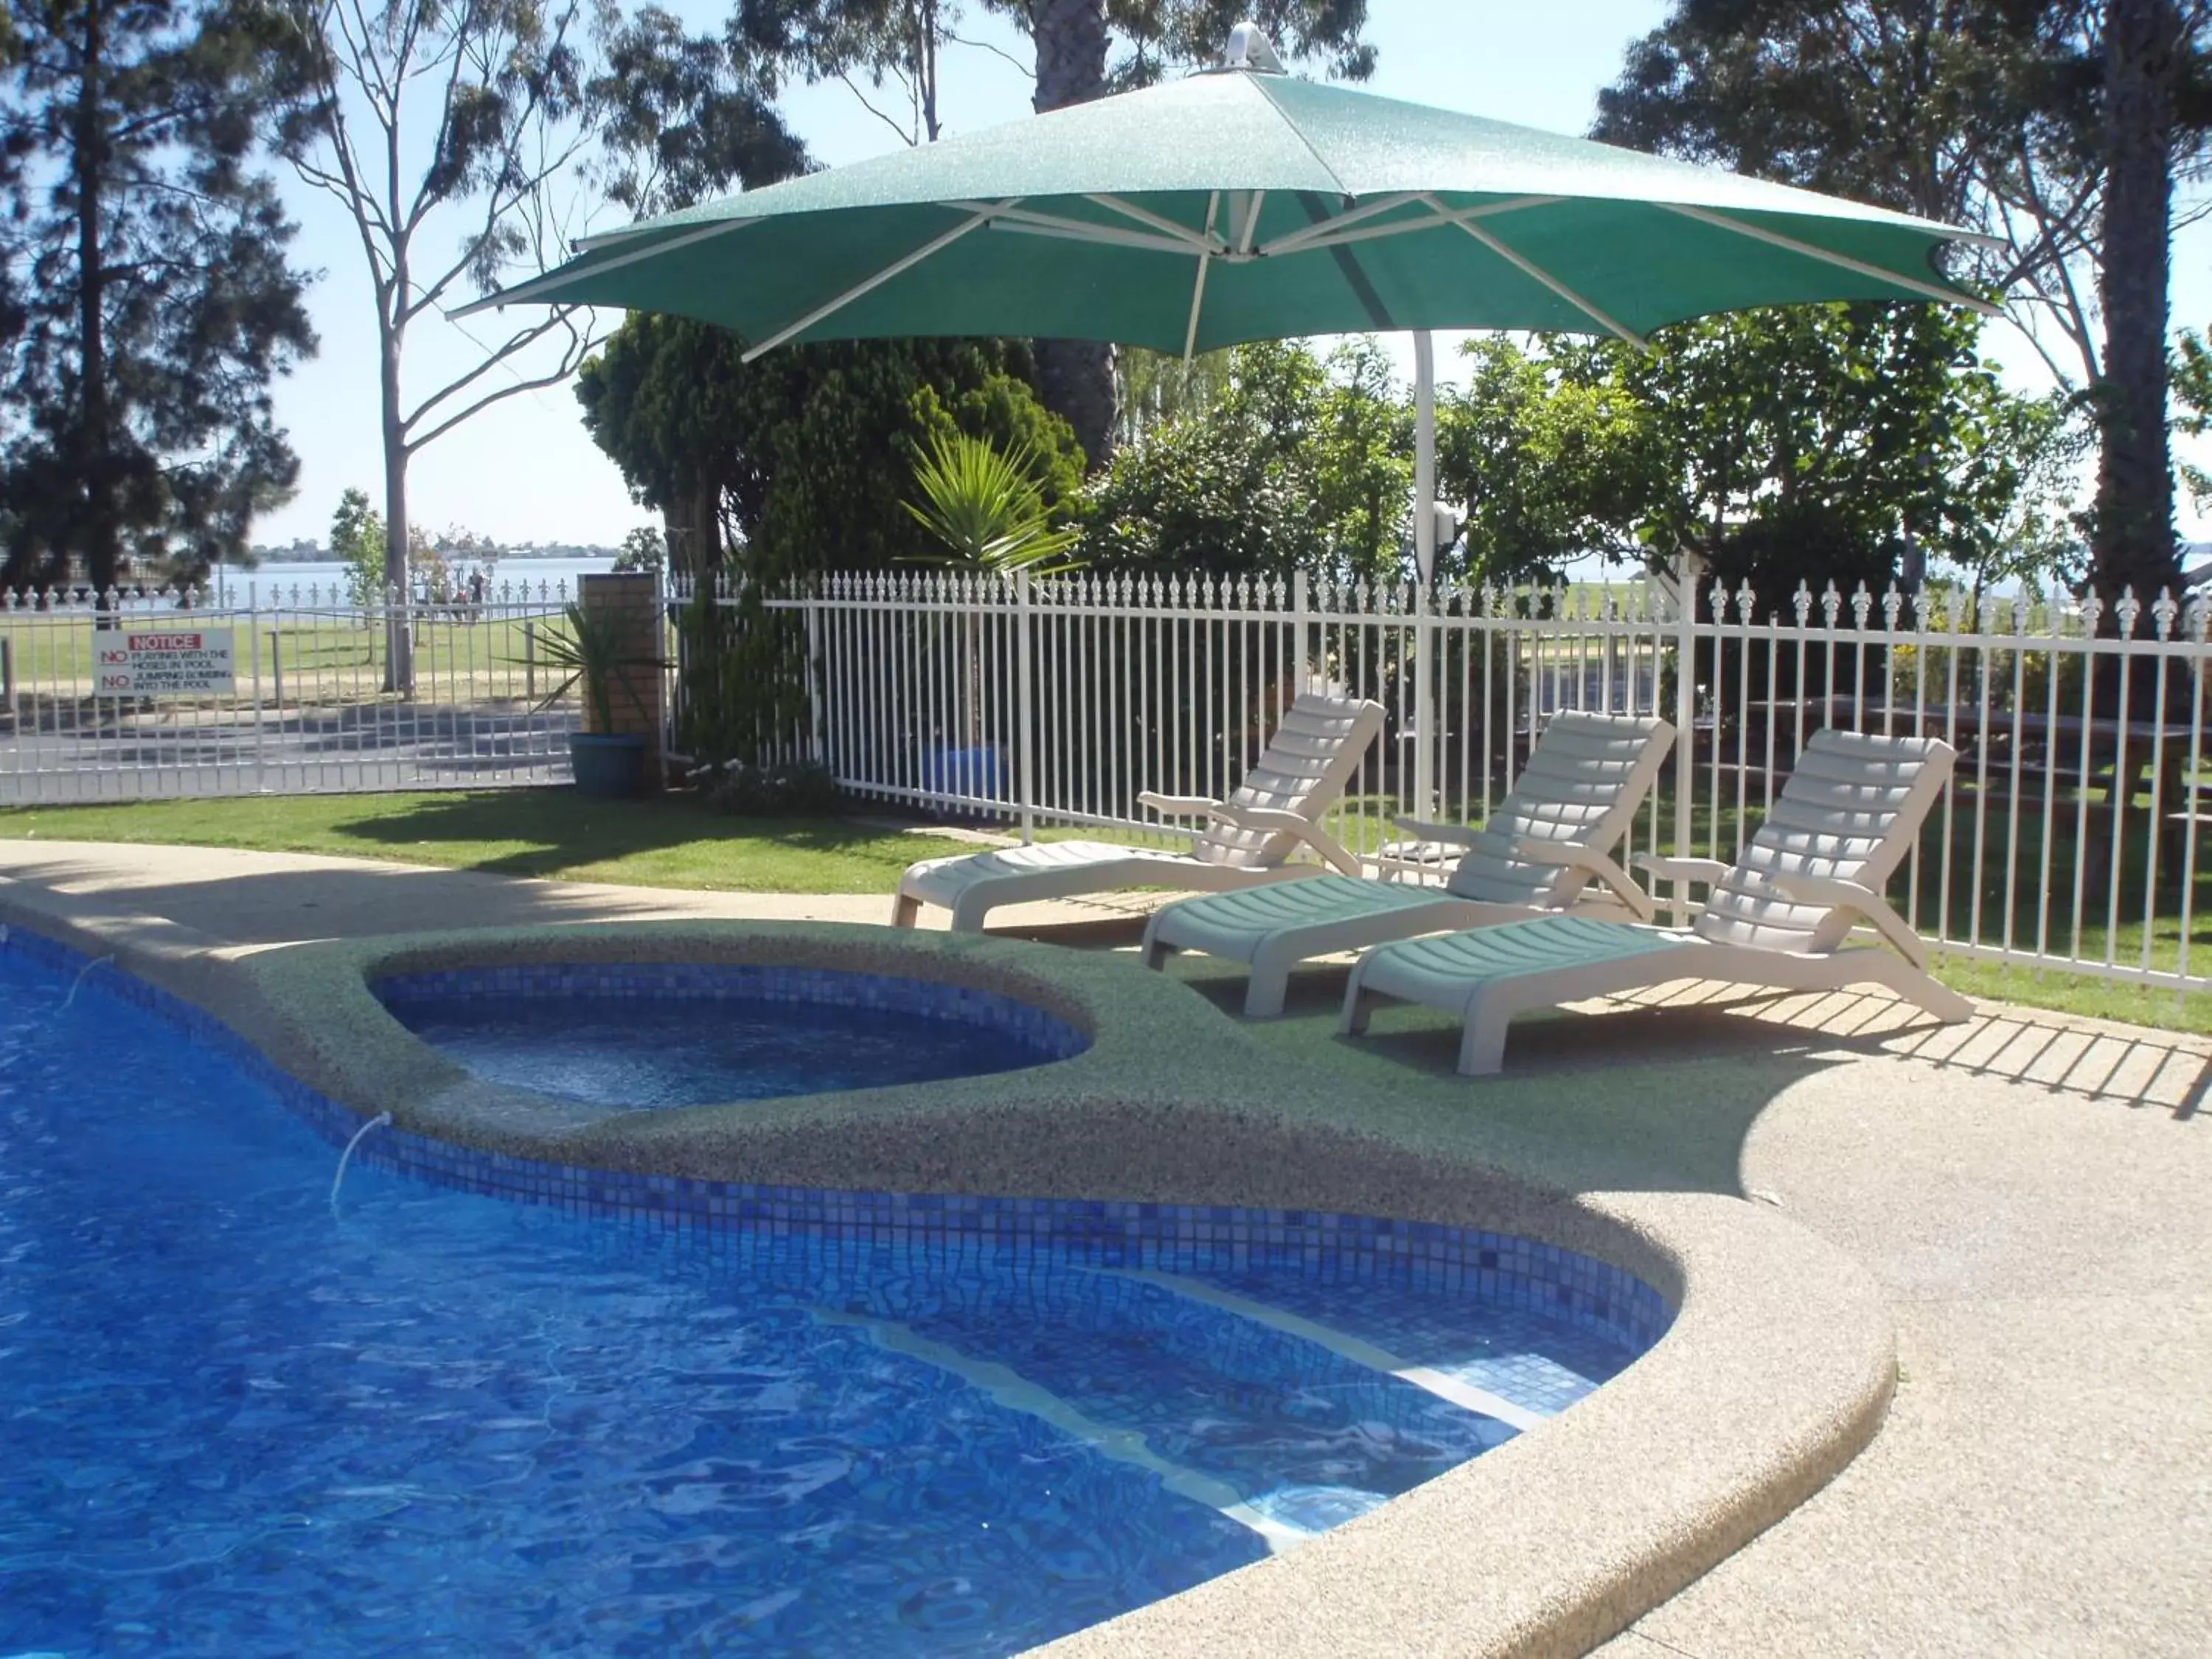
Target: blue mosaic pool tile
x,y
1610,1305
1033,1027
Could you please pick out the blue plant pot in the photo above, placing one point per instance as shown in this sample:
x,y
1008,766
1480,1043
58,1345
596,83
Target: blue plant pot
x,y
970,772
607,766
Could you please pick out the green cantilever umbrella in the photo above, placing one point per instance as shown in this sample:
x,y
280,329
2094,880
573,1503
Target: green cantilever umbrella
x,y
1244,204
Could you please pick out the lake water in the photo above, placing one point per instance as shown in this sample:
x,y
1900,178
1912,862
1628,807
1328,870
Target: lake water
x,y
272,579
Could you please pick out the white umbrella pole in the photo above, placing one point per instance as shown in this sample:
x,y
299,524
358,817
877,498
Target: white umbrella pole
x,y
1425,555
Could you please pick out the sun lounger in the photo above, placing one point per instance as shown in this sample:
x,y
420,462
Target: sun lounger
x,y
1780,916
1547,847
1274,813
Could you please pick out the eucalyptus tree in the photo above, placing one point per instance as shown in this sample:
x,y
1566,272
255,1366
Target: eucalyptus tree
x,y
452,133
683,116
148,301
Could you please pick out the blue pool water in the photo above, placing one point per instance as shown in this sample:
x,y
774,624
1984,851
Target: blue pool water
x,y
235,1421
693,1035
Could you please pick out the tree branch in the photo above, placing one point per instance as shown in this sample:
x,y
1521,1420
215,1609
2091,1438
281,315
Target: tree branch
x,y
1028,71
562,319
573,353
905,135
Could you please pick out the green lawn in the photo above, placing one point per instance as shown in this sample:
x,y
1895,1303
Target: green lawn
x,y
675,841
52,654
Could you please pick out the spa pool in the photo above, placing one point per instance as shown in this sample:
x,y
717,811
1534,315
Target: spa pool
x,y
642,1036
240,1419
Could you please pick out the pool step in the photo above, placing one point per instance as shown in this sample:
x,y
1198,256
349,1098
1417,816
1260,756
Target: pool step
x,y
1465,1395
1287,1425
1017,1393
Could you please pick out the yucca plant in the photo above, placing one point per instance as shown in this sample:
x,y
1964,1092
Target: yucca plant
x,y
983,505
593,653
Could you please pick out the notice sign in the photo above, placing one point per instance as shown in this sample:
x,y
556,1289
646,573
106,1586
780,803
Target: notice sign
x,y
164,662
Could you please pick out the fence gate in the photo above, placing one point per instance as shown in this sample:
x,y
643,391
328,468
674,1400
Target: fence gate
x,y
159,694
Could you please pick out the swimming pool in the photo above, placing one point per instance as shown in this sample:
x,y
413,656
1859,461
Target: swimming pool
x,y
438,1422
641,1036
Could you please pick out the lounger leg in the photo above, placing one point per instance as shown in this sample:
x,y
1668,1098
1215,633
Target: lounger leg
x,y
1482,1040
1269,988
1156,954
969,911
1946,1004
1914,985
1358,1008
904,910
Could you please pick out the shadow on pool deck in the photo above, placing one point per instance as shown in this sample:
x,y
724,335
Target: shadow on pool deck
x,y
276,898
1657,1097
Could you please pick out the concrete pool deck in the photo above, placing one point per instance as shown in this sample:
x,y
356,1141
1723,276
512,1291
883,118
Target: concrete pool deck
x,y
2026,1192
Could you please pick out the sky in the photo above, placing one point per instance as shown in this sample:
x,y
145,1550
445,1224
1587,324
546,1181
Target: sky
x,y
524,471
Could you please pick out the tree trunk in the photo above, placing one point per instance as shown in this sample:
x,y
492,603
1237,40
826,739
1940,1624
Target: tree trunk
x,y
2133,538
102,548
1075,376
926,35
399,643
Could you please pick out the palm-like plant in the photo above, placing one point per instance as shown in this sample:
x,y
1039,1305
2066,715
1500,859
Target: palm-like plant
x,y
983,504
595,651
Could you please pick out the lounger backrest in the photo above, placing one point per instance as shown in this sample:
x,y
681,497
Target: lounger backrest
x,y
1851,811
1303,769
1583,782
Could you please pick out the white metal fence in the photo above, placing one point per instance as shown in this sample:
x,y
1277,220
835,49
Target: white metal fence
x,y
303,708
2070,837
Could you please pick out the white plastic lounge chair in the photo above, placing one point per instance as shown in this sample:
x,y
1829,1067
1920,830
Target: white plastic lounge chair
x,y
1778,917
1249,838
1545,848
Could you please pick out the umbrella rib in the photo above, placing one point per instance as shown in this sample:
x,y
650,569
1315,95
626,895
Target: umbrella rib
x,y
1079,230
1443,218
1843,261
1528,267
1198,291
1098,235
1331,233
1158,221
1292,241
553,278
1251,222
983,217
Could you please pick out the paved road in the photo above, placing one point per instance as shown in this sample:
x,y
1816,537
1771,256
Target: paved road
x,y
177,751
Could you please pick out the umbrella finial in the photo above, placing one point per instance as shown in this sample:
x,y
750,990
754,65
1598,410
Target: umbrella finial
x,y
1249,49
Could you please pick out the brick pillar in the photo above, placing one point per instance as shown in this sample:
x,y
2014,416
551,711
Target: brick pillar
x,y
641,693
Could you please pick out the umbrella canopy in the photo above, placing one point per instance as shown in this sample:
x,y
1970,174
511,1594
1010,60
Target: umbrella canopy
x,y
1241,204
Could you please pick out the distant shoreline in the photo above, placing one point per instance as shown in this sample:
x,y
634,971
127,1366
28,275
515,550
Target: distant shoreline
x,y
568,555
